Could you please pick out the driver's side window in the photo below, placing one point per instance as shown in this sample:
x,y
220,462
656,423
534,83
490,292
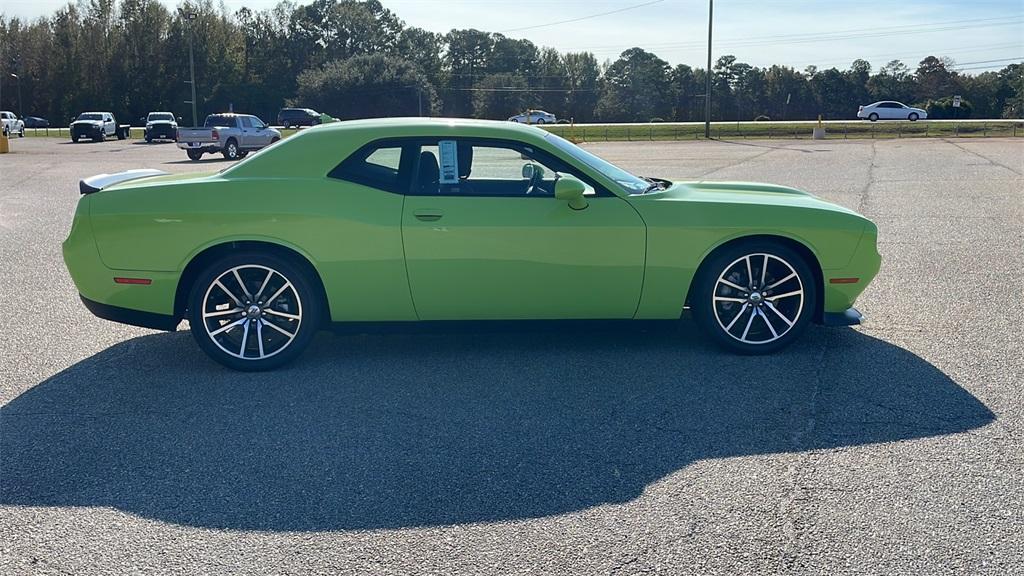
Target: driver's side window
x,y
468,168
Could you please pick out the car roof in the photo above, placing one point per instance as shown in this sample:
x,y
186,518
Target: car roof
x,y
171,113
314,148
414,126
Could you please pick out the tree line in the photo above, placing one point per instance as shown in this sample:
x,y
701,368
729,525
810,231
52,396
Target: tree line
x,y
357,59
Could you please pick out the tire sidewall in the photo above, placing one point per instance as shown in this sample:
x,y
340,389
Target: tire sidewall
x,y
227,150
873,117
702,307
312,309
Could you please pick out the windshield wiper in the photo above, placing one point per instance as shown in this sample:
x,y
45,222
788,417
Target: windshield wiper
x,y
653,185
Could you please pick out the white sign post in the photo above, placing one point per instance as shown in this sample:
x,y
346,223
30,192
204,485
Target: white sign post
x,y
956,101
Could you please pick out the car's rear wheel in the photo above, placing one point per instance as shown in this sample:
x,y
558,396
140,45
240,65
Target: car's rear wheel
x,y
541,121
253,311
194,154
873,117
231,150
913,117
755,297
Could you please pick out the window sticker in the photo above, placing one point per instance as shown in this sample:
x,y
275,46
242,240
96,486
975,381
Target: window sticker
x,y
449,162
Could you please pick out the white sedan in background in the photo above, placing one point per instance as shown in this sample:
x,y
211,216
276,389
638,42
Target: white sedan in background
x,y
889,110
534,117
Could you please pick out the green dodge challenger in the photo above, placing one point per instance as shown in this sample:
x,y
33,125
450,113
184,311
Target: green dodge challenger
x,y
419,220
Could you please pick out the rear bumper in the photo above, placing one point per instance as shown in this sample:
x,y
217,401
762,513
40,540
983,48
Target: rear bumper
x,y
132,317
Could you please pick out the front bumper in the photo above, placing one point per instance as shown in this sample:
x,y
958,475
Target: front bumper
x,y
850,317
162,132
86,131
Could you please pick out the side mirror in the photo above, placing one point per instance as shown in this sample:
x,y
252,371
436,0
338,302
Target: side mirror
x,y
571,190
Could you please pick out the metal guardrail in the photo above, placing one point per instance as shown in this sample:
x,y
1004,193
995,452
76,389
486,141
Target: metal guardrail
x,y
835,129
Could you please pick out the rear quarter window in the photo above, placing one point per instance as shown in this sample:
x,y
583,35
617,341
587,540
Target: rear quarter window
x,y
377,167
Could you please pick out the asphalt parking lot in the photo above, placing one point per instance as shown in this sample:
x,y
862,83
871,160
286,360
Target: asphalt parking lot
x,y
890,448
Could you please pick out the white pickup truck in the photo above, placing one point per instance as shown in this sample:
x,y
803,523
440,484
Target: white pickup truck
x,y
233,135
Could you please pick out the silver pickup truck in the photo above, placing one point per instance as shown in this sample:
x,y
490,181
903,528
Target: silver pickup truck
x,y
233,135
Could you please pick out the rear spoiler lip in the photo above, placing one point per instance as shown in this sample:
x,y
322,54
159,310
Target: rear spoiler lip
x,y
101,181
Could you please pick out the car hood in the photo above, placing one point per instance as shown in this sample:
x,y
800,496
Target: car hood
x,y
161,123
87,123
744,193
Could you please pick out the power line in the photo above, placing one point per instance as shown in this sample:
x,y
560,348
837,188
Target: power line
x,y
831,36
634,7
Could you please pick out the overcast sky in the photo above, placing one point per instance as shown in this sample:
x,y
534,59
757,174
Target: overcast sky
x,y
978,34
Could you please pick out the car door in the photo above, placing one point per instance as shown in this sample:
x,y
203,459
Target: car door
x,y
484,240
246,133
109,127
261,133
890,110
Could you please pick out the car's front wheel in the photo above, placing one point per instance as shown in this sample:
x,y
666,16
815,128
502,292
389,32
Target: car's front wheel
x,y
913,117
755,297
253,311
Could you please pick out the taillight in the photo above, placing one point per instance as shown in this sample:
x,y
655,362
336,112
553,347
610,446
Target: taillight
x,y
216,135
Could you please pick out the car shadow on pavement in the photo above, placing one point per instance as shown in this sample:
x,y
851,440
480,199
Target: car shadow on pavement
x,y
390,431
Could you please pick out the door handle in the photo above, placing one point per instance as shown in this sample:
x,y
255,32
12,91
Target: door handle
x,y
427,215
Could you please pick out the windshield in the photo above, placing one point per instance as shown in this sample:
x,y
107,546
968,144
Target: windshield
x,y
90,116
158,116
632,184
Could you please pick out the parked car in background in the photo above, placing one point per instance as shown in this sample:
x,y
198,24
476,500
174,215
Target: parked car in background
x,y
36,122
468,219
161,126
890,110
534,117
97,126
233,135
11,124
289,117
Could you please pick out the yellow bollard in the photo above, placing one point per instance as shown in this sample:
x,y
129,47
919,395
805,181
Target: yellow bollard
x,y
819,132
5,144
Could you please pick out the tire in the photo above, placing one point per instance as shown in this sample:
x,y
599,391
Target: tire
x,y
121,134
194,154
913,117
149,139
101,138
873,117
275,140
761,317
231,149
74,138
283,329
516,121
22,133
540,121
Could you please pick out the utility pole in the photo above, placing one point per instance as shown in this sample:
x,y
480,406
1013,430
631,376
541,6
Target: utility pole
x,y
707,74
21,110
190,16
